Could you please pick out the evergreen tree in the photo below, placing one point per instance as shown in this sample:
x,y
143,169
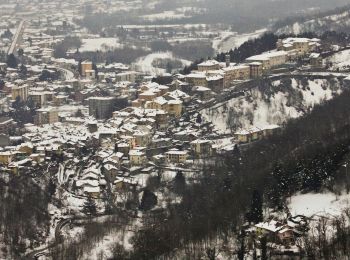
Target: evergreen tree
x,y
51,188
2,84
45,75
80,68
148,201
89,207
94,67
12,61
263,245
20,52
199,119
79,113
23,70
256,212
169,67
242,246
179,182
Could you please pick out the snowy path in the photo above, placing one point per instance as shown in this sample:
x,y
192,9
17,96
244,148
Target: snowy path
x,y
62,177
145,65
67,74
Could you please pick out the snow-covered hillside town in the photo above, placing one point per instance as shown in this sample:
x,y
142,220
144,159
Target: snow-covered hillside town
x,y
122,121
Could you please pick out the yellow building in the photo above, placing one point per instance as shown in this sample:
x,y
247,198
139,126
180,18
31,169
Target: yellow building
x,y
255,133
26,148
137,157
6,157
85,66
157,103
196,79
300,46
255,69
174,108
147,95
231,73
21,92
201,148
142,139
270,59
176,156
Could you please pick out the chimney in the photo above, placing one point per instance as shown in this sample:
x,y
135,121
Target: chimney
x,y
228,60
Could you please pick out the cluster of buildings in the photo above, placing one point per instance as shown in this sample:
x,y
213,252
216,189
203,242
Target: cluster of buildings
x,y
107,124
218,76
282,237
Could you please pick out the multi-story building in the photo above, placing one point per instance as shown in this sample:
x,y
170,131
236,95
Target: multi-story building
x,y
269,59
316,60
196,79
202,148
176,156
47,115
174,108
300,46
142,139
38,98
129,76
215,83
90,74
231,73
137,157
85,66
101,107
209,65
21,92
255,69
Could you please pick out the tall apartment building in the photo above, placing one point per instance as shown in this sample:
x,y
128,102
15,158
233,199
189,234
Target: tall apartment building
x,y
47,115
20,91
38,98
85,67
101,107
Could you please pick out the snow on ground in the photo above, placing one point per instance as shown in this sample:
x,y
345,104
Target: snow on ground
x,y
320,204
99,44
255,110
145,65
166,15
168,176
316,93
224,143
74,203
115,236
229,40
68,75
341,60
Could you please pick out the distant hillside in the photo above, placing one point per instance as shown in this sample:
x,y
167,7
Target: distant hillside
x,y
335,20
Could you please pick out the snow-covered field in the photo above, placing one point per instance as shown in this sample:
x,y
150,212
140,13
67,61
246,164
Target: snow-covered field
x,y
99,44
166,15
256,110
145,65
341,60
320,204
